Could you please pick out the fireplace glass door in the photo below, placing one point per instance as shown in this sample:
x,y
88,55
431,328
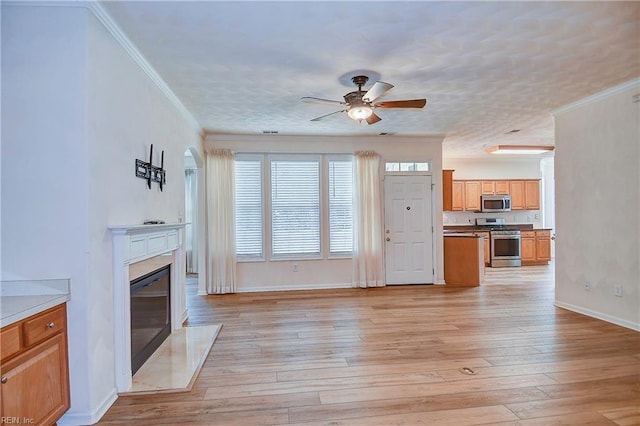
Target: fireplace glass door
x,y
150,315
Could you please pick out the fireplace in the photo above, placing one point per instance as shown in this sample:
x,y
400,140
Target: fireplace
x,y
150,305
139,251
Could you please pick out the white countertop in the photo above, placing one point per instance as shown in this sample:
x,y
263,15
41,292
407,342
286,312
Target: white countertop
x,y
21,299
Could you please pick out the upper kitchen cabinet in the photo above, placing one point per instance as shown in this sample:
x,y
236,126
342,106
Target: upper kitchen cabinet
x,y
525,194
532,195
452,192
464,195
495,187
472,190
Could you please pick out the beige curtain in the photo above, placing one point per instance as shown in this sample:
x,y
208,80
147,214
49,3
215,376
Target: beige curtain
x,y
368,269
221,277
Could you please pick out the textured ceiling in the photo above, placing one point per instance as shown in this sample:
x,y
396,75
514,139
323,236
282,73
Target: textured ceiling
x,y
485,67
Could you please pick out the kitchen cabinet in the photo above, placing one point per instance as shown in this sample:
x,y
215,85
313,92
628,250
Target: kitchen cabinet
x,y
447,190
495,187
457,198
535,247
516,190
532,195
35,373
525,194
487,246
472,191
464,195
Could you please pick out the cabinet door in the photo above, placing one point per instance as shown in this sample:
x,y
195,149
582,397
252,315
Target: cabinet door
x,y
488,187
472,195
487,247
528,247
457,198
36,383
502,187
532,194
516,189
447,190
543,246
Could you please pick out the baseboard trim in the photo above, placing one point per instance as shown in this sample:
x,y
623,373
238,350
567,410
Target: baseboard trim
x,y
251,289
598,315
80,419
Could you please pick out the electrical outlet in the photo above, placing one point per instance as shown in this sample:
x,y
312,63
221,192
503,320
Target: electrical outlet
x,y
587,286
537,216
617,290
295,267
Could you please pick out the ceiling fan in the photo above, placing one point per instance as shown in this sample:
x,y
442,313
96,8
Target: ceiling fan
x,y
359,104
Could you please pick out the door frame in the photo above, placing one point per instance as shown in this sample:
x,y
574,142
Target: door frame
x,y
433,212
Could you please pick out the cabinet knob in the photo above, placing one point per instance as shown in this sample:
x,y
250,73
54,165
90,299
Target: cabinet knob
x,y
4,380
51,325
388,239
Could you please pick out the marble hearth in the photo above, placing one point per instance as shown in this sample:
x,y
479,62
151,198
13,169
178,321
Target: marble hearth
x,y
137,250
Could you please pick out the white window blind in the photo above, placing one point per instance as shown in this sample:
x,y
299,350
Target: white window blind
x,y
340,206
248,208
295,207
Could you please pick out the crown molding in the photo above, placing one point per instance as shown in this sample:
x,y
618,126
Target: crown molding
x,y
598,96
119,35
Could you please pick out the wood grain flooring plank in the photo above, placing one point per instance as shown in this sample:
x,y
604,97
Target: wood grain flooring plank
x,y
392,355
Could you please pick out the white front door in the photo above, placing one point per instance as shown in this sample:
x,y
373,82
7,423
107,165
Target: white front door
x,y
408,230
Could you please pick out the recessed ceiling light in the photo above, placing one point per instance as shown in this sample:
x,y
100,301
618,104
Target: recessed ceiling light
x,y
520,149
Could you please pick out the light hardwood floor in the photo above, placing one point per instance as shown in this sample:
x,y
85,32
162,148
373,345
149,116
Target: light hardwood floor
x,y
392,356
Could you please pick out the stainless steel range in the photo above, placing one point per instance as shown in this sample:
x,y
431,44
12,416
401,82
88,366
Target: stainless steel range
x,y
505,242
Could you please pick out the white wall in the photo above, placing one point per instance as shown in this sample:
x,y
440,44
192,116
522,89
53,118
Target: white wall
x,y
77,111
504,167
597,175
259,276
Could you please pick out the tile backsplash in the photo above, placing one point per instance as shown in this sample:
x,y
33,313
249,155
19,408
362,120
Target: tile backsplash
x,y
469,218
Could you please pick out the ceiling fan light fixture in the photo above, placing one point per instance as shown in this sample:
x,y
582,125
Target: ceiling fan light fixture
x,y
520,149
359,112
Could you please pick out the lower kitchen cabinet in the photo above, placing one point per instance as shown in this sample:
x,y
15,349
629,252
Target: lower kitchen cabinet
x,y
35,374
487,246
535,247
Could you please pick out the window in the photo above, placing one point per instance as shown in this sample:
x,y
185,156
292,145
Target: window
x,y
396,166
248,208
340,190
295,207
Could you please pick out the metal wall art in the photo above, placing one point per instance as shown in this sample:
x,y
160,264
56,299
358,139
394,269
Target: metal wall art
x,y
150,172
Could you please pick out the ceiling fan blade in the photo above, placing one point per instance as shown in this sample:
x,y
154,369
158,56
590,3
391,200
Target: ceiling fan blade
x,y
373,118
312,100
414,103
378,89
322,117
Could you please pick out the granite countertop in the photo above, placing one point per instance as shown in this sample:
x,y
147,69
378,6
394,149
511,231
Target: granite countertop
x,y
472,228
21,299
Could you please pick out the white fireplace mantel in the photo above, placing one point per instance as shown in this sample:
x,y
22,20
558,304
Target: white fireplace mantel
x,y
132,244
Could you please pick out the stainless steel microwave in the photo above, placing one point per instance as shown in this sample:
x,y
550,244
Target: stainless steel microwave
x,y
495,203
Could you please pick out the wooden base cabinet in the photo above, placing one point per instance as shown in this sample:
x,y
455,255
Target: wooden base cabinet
x,y
35,379
535,247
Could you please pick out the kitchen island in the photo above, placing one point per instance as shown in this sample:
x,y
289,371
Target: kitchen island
x,y
463,259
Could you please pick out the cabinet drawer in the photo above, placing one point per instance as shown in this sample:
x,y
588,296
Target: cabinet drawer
x,y
543,234
528,234
10,341
44,325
